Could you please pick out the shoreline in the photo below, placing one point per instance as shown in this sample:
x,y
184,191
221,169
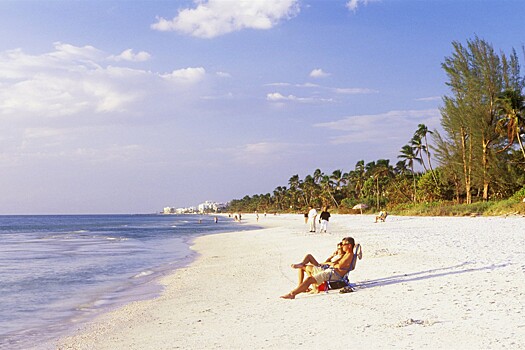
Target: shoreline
x,y
135,286
424,282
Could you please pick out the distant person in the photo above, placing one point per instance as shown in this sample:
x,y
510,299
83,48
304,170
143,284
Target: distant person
x,y
306,217
323,219
381,216
312,215
216,219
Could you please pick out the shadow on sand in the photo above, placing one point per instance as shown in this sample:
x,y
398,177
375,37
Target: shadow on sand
x,y
423,275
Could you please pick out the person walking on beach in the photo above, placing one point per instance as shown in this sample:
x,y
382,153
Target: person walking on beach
x,y
312,215
334,272
323,218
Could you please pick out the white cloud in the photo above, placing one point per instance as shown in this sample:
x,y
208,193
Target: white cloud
x,y
71,52
278,84
354,91
278,97
373,127
318,73
77,82
322,94
430,98
223,75
130,56
341,91
352,5
187,75
260,153
217,17
66,81
309,85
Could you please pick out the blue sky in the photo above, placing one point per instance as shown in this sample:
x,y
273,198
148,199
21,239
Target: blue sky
x,y
130,106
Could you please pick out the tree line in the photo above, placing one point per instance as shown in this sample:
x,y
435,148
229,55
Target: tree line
x,y
479,157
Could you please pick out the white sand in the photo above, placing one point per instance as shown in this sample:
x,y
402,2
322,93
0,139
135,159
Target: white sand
x,y
426,282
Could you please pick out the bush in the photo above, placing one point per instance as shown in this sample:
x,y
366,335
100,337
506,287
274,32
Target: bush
x,y
518,196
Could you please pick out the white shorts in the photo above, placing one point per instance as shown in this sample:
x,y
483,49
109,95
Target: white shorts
x,y
326,275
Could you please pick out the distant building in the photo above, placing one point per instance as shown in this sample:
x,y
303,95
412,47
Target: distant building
x,y
190,210
203,208
168,210
210,207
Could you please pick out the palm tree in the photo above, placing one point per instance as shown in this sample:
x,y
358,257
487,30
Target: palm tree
x,y
294,189
401,168
360,175
419,148
381,170
337,178
279,194
401,171
309,187
408,155
422,132
327,189
511,106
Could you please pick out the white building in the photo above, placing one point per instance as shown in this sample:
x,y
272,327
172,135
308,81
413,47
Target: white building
x,y
206,207
210,206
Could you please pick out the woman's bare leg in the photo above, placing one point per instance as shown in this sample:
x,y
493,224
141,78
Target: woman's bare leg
x,y
308,259
301,276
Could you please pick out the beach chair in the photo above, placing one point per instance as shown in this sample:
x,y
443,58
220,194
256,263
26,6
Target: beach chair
x,y
344,281
382,216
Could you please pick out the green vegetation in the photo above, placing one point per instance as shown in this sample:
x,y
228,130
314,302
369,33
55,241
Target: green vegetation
x,y
476,167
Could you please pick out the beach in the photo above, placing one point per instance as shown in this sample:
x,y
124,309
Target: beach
x,y
423,282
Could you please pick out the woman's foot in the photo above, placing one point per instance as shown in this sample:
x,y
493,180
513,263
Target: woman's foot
x,y
288,296
297,266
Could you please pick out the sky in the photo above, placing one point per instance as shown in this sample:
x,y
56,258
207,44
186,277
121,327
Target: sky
x,y
130,106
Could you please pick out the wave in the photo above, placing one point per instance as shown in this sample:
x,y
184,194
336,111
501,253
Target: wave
x,y
143,274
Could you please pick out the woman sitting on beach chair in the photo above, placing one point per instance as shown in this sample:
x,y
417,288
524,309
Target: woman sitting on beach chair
x,y
310,265
333,273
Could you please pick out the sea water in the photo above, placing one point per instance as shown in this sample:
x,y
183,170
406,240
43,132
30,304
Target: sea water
x,y
57,271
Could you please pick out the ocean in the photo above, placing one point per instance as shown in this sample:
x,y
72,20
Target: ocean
x,y
57,271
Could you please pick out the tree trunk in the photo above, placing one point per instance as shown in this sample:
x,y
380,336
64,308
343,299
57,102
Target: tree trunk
x,y
414,177
466,166
519,141
485,162
377,185
429,163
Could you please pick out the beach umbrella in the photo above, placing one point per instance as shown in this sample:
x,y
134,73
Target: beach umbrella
x,y
360,206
